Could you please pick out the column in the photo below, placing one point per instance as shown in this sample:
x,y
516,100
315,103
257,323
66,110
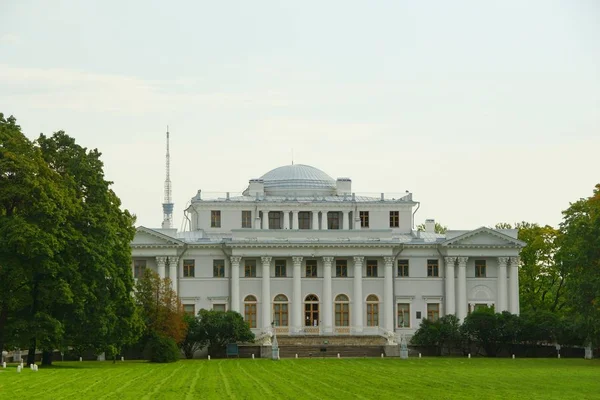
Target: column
x,y
514,285
357,304
357,222
173,263
461,285
315,220
449,280
267,314
235,283
161,261
345,220
294,219
501,303
286,220
388,294
327,303
297,295
265,219
324,220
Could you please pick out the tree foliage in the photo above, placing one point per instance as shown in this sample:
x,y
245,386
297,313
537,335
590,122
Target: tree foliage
x,y
189,345
438,228
218,328
443,334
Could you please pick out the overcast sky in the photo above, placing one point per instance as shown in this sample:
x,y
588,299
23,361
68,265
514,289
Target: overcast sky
x,y
485,111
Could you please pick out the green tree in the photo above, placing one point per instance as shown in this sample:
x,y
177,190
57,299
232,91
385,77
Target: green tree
x,y
443,334
439,228
190,343
482,326
218,328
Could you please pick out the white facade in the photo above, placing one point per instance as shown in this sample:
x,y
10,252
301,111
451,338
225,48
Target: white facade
x,y
326,261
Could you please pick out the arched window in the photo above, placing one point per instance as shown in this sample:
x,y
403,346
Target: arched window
x,y
280,310
250,311
372,310
311,310
342,310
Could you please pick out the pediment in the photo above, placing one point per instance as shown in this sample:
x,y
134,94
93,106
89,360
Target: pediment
x,y
484,237
148,237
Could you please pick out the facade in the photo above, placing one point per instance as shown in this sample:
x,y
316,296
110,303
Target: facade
x,y
300,253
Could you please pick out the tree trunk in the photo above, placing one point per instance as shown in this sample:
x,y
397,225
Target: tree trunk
x,y
31,352
3,319
46,357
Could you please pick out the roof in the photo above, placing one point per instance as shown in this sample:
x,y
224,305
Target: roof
x,y
298,177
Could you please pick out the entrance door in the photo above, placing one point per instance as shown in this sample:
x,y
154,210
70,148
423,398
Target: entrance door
x,y
311,310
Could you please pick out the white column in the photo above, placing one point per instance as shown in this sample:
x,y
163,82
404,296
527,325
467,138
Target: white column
x,y
514,285
173,263
324,220
265,219
327,303
161,261
357,222
461,286
315,220
286,219
357,305
297,295
235,283
388,294
501,301
267,314
345,220
257,221
449,280
294,219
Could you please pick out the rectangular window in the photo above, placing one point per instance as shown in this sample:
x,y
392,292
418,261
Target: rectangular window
x,y
189,309
403,268
246,219
189,267
372,268
275,220
215,219
280,270
139,267
480,269
311,268
219,307
364,219
333,220
403,315
304,220
433,268
341,268
250,269
219,268
394,219
433,311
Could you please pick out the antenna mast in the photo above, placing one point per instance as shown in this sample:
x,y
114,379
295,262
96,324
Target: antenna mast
x,y
168,203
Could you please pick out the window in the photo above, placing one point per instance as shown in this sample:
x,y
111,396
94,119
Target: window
x,y
215,219
250,311
250,269
394,219
372,310
219,268
280,269
139,267
275,220
304,220
311,268
219,307
433,311
403,268
311,310
479,268
372,268
280,310
403,315
333,220
189,268
342,310
433,268
341,268
364,219
189,309
246,219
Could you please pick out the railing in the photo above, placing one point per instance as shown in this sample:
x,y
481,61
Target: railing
x,y
282,330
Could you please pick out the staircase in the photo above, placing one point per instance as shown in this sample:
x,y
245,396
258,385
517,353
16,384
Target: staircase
x,y
330,346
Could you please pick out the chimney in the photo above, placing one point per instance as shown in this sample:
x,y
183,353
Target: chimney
x,y
343,186
430,225
256,187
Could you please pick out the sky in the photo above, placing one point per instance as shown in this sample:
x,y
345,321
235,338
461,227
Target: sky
x,y
486,111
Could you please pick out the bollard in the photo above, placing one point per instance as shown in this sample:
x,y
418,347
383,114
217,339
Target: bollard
x,y
513,356
469,355
19,368
35,368
296,355
338,355
80,359
419,355
209,357
122,358
558,355
253,356
381,355
4,364
31,367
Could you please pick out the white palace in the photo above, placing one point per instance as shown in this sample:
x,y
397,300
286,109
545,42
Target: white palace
x,y
300,253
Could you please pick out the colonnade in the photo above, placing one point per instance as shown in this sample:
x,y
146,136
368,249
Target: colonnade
x,y
345,220
172,263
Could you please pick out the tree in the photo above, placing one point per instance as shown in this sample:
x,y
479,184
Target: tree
x,y
483,327
218,328
189,345
442,334
439,228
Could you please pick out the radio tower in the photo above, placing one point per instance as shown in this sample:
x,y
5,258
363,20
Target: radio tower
x,y
168,204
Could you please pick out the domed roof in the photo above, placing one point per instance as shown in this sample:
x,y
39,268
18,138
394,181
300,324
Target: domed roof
x,y
298,178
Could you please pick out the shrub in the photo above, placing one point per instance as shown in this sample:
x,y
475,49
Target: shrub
x,y
161,349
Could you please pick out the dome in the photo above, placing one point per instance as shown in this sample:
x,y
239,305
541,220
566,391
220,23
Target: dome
x,y
298,179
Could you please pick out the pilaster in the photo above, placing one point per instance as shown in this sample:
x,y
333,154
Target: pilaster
x,y
173,264
266,292
297,294
461,301
327,303
514,285
388,294
358,297
235,283
501,295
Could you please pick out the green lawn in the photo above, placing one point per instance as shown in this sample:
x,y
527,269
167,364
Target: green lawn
x,y
431,378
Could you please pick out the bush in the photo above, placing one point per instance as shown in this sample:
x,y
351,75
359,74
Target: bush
x,y
161,349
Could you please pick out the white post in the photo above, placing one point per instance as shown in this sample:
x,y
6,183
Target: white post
x,y
327,303
449,280
461,302
294,219
297,294
358,300
388,294
161,261
235,283
286,220
173,263
315,220
266,292
514,285
501,304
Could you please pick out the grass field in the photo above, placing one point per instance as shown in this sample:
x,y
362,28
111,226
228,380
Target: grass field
x,y
432,378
